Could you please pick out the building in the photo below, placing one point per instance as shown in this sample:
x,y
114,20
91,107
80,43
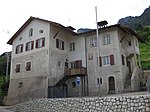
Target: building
x,y
50,60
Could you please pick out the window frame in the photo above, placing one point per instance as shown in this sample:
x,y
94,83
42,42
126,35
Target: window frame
x,y
59,44
19,49
106,60
93,42
28,66
30,32
40,42
106,39
72,46
29,46
18,68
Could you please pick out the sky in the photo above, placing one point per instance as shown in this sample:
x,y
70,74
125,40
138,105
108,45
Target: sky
x,y
76,13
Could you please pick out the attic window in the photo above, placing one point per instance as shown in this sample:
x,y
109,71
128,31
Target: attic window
x,y
20,38
40,31
31,32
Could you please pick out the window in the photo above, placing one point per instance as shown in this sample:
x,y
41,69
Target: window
x,y
73,84
129,43
72,46
28,66
73,64
20,84
59,44
31,32
17,68
99,80
108,60
93,42
19,48
123,63
76,64
106,39
58,63
90,56
40,31
29,46
40,43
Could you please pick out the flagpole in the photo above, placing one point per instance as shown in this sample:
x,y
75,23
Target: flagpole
x,y
97,40
98,63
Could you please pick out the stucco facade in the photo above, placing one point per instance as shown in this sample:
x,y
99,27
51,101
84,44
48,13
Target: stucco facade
x,y
57,57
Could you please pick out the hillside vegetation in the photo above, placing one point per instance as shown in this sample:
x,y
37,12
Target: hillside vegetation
x,y
144,32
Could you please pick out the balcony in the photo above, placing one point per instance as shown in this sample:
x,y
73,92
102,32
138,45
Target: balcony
x,y
76,71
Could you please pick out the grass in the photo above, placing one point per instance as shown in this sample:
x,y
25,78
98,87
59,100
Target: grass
x,y
145,55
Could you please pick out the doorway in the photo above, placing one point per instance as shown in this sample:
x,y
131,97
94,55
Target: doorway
x,y
111,84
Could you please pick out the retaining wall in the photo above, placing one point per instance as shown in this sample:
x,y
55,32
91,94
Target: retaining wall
x,y
136,103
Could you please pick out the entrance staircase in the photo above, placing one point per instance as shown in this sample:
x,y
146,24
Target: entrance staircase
x,y
127,85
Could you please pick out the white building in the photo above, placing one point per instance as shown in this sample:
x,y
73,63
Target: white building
x,y
50,60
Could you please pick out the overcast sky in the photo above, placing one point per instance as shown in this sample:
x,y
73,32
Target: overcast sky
x,y
76,13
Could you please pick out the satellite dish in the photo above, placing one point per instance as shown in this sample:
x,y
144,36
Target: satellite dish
x,y
102,23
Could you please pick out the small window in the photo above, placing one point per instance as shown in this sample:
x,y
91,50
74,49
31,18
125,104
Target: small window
x,y
59,44
129,43
123,62
19,49
59,63
20,38
72,46
99,80
40,43
93,42
29,46
106,39
20,84
17,68
28,66
31,32
41,31
73,84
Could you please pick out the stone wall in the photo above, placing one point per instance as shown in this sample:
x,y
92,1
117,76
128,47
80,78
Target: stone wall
x,y
136,103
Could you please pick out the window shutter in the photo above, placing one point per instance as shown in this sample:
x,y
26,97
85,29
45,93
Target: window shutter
x,y
62,45
111,59
16,49
43,42
78,63
57,43
100,61
36,44
21,47
26,47
122,59
32,45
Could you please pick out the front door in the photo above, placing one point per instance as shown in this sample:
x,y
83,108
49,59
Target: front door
x,y
111,85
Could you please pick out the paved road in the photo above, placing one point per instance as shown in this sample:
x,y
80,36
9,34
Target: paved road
x,y
4,110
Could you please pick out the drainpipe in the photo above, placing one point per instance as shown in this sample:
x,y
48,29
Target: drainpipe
x,y
87,93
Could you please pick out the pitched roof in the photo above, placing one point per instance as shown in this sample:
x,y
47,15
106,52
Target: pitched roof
x,y
121,27
34,18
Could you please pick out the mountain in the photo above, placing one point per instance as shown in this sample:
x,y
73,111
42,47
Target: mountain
x,y
135,22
